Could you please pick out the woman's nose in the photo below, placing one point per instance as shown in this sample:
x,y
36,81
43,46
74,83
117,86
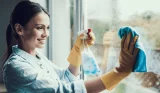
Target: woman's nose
x,y
46,33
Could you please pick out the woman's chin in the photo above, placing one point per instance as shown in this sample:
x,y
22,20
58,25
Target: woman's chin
x,y
40,46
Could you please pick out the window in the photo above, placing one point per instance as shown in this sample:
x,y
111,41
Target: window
x,y
60,32
104,16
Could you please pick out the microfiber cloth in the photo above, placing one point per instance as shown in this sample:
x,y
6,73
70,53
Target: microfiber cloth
x,y
140,65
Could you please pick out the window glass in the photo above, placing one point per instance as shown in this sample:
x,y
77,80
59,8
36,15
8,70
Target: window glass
x,y
105,17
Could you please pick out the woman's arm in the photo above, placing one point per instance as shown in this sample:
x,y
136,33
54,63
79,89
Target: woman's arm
x,y
95,85
74,70
127,60
75,58
22,77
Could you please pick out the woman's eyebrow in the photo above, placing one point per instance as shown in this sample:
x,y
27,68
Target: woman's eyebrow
x,y
42,25
39,25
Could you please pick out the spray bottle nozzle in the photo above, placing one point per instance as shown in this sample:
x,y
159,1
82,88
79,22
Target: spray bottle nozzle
x,y
89,30
86,32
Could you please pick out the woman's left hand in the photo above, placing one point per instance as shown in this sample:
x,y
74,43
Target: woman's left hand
x,y
88,41
74,57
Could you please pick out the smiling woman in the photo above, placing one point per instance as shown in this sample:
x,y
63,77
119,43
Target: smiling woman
x,y
24,30
26,70
34,33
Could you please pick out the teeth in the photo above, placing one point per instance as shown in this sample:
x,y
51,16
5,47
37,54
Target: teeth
x,y
42,41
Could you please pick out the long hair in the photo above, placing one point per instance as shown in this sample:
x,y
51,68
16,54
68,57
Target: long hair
x,y
22,14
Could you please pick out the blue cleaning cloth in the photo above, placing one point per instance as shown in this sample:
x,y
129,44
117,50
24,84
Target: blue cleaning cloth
x,y
140,65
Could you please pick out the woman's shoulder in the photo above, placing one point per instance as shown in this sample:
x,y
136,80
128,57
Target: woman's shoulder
x,y
19,70
14,61
14,58
17,66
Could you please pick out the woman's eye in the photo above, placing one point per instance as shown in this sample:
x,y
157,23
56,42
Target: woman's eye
x,y
48,27
39,28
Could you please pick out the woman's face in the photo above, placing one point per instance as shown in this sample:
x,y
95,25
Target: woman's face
x,y
36,31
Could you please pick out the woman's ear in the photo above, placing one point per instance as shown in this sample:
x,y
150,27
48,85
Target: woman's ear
x,y
18,29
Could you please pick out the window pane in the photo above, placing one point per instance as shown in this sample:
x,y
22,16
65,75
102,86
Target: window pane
x,y
105,17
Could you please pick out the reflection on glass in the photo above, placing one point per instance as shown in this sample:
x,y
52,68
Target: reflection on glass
x,y
105,17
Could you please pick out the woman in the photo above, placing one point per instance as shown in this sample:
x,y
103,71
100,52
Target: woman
x,y
28,71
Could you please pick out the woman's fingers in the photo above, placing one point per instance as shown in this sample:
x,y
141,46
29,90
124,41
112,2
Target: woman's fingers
x,y
129,44
135,52
123,41
127,41
132,45
91,38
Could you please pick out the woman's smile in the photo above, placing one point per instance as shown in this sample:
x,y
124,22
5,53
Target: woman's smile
x,y
41,40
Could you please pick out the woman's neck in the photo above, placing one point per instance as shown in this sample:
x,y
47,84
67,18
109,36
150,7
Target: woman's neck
x,y
26,48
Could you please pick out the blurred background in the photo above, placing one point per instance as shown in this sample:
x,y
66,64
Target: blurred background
x,y
104,17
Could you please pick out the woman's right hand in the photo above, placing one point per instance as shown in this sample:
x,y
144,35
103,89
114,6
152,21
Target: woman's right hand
x,y
128,53
127,60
